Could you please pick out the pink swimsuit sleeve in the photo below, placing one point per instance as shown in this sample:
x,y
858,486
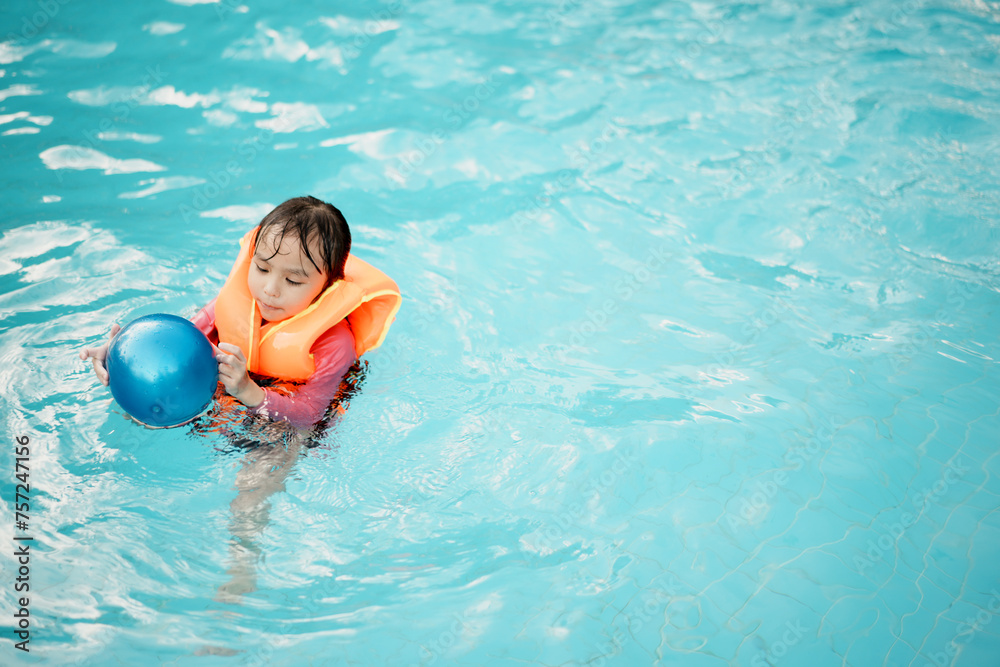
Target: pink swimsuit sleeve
x,y
205,321
333,353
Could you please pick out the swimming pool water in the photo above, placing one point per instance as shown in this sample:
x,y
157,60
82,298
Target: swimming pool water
x,y
696,364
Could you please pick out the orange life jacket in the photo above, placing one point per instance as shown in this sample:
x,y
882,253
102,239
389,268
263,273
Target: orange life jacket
x,y
367,297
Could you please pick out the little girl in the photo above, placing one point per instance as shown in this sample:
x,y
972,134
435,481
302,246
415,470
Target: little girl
x,y
296,307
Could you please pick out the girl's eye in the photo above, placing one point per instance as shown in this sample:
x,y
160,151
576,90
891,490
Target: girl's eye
x,y
260,268
292,282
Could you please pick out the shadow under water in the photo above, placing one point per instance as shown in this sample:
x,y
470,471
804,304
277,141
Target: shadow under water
x,y
269,451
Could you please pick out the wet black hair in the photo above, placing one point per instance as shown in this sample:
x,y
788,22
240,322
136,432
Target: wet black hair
x,y
309,218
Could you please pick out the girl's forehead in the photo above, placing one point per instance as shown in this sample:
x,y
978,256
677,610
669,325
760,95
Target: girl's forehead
x,y
288,254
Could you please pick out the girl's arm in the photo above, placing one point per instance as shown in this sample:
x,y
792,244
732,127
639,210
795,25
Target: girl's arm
x,y
205,321
333,353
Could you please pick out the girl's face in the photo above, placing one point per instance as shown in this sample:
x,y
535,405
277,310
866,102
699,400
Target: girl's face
x,y
287,283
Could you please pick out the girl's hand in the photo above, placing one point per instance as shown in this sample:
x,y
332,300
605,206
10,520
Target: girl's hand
x,y
98,355
233,375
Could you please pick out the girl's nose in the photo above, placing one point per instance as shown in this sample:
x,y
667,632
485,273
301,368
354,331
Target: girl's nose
x,y
271,288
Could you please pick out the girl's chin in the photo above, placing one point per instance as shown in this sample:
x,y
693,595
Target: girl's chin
x,y
271,314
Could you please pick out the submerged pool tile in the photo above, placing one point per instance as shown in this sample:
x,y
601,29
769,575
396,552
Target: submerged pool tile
x,y
779,643
875,640
811,528
728,596
981,441
946,581
899,652
981,649
910,425
771,610
694,628
920,620
982,586
793,647
848,615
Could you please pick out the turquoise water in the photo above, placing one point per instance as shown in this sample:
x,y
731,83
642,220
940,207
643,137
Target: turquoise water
x,y
696,364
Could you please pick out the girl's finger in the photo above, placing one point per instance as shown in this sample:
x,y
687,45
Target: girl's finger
x,y
234,350
101,373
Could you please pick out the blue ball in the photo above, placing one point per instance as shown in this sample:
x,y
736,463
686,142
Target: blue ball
x,y
162,370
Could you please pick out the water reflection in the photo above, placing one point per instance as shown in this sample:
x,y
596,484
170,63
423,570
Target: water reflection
x,y
268,452
262,474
